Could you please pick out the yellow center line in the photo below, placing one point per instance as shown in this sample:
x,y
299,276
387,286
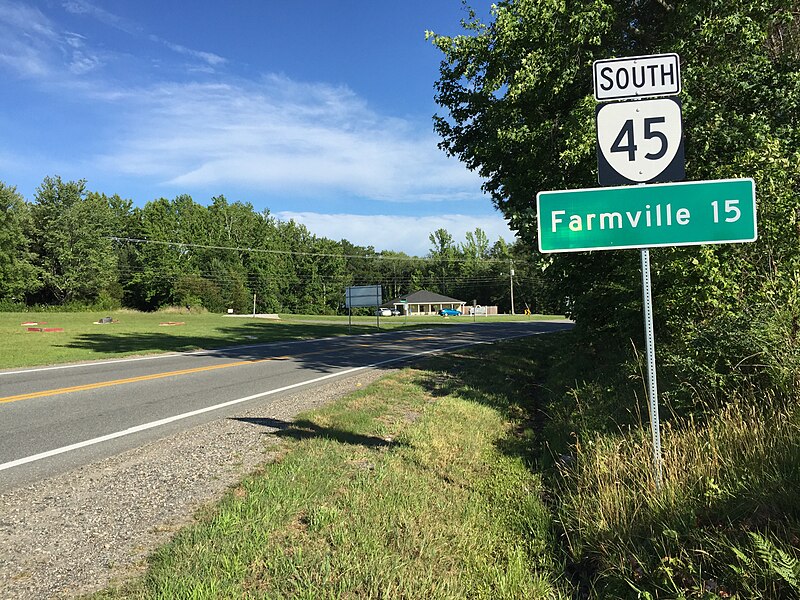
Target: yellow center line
x,y
103,384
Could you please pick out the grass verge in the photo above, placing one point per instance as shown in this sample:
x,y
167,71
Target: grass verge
x,y
725,523
398,491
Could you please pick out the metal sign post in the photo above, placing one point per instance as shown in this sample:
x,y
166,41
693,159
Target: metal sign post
x,y
652,383
349,310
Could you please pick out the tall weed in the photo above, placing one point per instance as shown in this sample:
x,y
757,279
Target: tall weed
x,y
729,485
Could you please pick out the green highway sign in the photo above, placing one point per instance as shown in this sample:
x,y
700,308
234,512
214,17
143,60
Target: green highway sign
x,y
688,213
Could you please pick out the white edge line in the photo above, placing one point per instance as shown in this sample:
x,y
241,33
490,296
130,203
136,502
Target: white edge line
x,y
145,426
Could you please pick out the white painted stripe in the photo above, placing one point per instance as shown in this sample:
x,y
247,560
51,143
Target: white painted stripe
x,y
153,424
92,364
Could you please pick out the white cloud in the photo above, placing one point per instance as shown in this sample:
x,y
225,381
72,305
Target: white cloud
x,y
208,57
82,61
274,136
82,7
33,46
403,234
283,136
28,40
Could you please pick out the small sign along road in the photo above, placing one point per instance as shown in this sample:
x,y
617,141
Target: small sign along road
x,y
637,77
671,214
640,141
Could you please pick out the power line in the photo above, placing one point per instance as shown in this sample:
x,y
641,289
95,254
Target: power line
x,y
376,256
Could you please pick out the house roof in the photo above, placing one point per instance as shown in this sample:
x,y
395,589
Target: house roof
x,y
423,297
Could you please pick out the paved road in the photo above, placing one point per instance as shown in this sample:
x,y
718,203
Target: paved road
x,y
53,419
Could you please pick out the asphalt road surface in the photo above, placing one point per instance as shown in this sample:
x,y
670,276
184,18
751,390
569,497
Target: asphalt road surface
x,y
53,419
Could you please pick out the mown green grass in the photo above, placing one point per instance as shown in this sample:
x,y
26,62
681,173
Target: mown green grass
x,y
403,490
135,333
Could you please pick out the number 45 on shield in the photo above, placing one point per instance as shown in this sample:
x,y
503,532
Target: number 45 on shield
x,y
640,141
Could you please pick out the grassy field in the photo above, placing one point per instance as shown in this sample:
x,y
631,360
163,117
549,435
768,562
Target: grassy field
x,y
439,482
133,333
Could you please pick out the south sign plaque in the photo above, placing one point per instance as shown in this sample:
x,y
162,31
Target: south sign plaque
x,y
637,77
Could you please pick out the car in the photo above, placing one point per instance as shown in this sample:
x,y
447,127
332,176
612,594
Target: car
x,y
383,312
449,312
395,312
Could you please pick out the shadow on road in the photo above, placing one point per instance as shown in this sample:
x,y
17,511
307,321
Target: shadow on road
x,y
180,341
324,348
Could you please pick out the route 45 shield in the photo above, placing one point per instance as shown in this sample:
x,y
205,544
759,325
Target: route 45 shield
x,y
640,141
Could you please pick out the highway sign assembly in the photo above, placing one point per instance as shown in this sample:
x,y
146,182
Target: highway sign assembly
x,y
640,141
363,295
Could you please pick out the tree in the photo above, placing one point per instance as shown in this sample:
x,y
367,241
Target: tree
x,y
476,272
18,275
163,260
124,225
443,266
71,238
519,110
396,273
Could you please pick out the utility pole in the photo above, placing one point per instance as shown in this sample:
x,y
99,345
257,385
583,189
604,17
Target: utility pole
x,y
512,287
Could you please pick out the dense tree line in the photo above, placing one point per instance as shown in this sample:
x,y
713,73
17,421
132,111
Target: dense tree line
x,y
518,108
73,247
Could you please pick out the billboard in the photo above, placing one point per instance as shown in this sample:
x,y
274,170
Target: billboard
x,y
363,295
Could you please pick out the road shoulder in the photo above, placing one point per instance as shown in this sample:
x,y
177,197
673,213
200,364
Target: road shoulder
x,y
78,532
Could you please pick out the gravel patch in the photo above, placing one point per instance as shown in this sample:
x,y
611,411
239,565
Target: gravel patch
x,y
81,531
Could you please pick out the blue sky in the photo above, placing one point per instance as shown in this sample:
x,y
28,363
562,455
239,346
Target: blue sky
x,y
318,110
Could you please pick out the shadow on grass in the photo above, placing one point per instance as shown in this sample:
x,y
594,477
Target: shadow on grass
x,y
507,381
305,430
175,341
